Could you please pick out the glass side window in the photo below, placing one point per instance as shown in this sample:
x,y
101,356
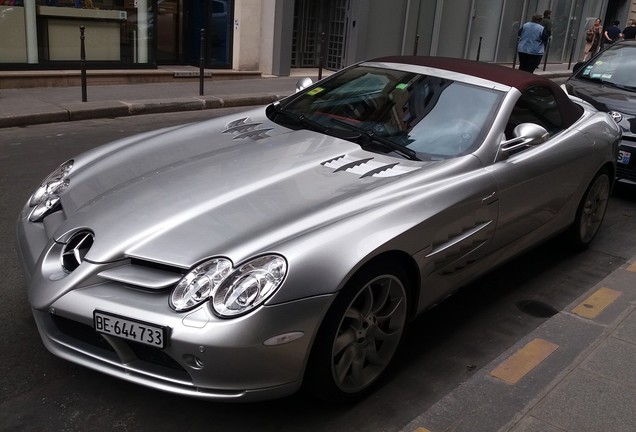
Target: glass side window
x,y
536,105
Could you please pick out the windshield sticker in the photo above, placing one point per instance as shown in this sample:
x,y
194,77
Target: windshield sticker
x,y
315,91
402,86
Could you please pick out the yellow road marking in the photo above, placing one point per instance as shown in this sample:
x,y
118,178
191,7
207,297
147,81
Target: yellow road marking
x,y
595,303
524,361
421,429
632,268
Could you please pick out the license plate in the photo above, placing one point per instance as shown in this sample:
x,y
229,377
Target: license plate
x,y
624,157
131,329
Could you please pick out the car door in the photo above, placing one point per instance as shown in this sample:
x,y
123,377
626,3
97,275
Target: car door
x,y
536,184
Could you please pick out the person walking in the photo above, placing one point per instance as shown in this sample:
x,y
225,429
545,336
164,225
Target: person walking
x,y
531,45
612,33
592,39
630,31
546,22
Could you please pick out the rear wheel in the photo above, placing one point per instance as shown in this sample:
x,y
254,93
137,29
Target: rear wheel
x,y
591,210
359,336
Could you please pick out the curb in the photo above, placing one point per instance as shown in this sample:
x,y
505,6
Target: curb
x,y
112,109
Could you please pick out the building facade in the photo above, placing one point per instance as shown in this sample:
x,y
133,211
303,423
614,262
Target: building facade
x,y
272,36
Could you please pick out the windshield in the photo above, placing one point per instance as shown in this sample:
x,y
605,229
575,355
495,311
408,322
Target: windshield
x,y
433,117
614,66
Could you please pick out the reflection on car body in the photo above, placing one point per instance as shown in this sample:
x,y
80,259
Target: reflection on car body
x,y
289,245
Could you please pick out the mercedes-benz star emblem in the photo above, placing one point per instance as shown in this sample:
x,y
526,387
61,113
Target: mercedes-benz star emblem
x,y
616,116
75,250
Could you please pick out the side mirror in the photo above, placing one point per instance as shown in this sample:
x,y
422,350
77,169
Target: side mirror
x,y
303,83
526,134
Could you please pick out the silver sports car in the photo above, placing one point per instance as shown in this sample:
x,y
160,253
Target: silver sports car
x,y
243,257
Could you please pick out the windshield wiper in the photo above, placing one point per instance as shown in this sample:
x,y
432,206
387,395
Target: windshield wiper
x,y
307,123
378,140
619,86
301,120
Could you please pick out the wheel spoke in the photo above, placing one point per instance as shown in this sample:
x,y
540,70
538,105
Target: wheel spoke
x,y
373,356
343,340
343,366
357,368
383,293
356,316
393,309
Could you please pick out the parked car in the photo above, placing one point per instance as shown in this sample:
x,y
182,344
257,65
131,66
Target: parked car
x,y
245,256
608,82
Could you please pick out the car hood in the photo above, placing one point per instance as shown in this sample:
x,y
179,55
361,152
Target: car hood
x,y
230,186
603,97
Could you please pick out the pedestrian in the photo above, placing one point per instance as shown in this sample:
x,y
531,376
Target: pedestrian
x,y
546,22
592,39
630,31
531,45
612,33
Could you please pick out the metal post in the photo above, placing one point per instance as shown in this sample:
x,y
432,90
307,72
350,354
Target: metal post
x,y
321,58
83,63
417,41
201,62
545,54
572,53
479,48
514,59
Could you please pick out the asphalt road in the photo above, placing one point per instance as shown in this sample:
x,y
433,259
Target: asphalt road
x,y
442,349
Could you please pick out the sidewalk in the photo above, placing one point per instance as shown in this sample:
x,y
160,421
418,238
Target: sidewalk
x,y
38,105
575,373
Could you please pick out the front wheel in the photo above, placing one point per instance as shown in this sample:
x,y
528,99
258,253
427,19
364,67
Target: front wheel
x,y
591,210
359,335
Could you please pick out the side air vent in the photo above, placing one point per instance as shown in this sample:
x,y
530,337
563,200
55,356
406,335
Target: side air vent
x,y
245,128
367,167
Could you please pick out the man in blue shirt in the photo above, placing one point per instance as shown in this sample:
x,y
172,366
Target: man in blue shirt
x,y
532,39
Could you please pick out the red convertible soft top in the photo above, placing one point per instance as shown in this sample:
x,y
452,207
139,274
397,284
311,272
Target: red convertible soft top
x,y
570,112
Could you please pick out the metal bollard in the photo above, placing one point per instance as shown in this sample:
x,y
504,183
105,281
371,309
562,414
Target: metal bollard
x,y
417,42
479,47
572,52
321,59
201,62
545,54
83,63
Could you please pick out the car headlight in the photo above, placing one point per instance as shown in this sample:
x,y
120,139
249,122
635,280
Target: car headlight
x,y
47,196
232,291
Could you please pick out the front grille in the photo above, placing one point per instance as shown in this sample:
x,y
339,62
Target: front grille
x,y
626,173
86,334
81,332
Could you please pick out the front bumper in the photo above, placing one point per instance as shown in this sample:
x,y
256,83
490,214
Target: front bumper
x,y
205,356
626,166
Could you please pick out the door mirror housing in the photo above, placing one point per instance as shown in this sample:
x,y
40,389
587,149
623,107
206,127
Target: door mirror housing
x,y
303,83
525,135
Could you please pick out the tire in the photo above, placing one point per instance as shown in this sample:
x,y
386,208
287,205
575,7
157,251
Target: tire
x,y
359,335
591,211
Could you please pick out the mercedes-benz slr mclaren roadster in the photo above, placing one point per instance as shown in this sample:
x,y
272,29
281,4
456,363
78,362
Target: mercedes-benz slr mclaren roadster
x,y
245,257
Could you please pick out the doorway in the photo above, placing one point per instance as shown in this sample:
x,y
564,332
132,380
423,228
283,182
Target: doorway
x,y
215,18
